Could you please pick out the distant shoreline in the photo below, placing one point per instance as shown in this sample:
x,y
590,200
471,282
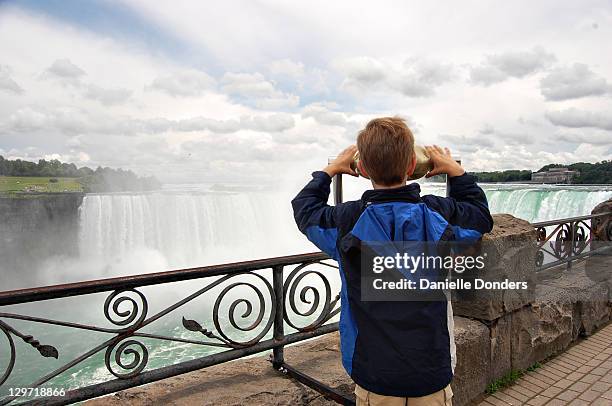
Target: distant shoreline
x,y
32,185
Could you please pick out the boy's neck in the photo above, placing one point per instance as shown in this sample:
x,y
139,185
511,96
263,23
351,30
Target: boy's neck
x,y
377,186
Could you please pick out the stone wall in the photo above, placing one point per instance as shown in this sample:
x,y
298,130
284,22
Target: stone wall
x,y
498,332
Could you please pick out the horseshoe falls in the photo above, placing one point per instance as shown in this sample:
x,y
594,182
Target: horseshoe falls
x,y
133,233
187,229
177,229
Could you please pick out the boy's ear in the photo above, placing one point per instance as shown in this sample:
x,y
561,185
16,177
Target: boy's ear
x,y
362,170
412,165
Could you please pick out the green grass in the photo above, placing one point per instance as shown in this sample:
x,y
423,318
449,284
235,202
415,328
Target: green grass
x,y
509,379
534,367
12,184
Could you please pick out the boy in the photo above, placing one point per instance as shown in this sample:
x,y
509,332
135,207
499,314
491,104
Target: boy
x,y
396,352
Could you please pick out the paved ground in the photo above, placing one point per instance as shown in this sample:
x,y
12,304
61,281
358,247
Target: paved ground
x,y
582,375
248,381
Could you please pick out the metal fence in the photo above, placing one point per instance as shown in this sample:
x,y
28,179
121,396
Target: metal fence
x,y
282,294
563,241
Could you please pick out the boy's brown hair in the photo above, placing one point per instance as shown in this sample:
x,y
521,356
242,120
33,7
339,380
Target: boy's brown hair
x,y
386,146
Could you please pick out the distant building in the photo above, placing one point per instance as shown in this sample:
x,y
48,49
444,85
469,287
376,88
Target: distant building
x,y
554,175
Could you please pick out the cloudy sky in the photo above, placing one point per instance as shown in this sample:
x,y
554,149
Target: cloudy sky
x,y
197,91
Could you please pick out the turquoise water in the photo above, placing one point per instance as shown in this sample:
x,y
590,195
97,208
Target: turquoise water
x,y
527,201
538,203
71,343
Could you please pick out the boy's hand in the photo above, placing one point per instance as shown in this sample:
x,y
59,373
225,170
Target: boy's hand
x,y
443,162
342,163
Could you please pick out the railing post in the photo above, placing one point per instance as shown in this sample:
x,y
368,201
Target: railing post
x,y
279,322
571,244
447,180
337,187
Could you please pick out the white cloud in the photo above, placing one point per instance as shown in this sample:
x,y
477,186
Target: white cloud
x,y
7,83
516,138
430,72
414,78
410,86
78,121
141,104
107,96
69,73
320,113
255,88
65,69
184,83
573,82
278,101
486,129
247,85
361,71
575,118
600,139
513,64
25,119
287,67
203,123
272,123
465,142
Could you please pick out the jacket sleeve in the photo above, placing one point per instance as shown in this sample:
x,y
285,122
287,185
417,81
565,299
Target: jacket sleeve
x,y
466,208
314,217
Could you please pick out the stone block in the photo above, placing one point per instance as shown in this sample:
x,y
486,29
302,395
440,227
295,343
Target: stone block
x,y
501,347
510,254
473,360
564,308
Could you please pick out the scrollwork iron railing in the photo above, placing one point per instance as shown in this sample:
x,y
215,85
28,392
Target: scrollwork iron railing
x,y
263,297
567,240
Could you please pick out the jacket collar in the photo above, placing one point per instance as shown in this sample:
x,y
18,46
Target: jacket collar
x,y
409,193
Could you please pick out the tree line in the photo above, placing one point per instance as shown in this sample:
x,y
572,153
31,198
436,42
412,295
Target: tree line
x,y
98,180
600,172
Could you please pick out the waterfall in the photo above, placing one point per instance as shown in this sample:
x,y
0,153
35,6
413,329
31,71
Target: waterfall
x,y
537,202
195,228
546,203
188,229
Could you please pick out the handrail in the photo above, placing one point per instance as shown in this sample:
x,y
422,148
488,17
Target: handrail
x,y
11,297
570,219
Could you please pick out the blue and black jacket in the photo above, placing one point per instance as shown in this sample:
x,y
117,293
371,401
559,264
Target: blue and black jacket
x,y
393,348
